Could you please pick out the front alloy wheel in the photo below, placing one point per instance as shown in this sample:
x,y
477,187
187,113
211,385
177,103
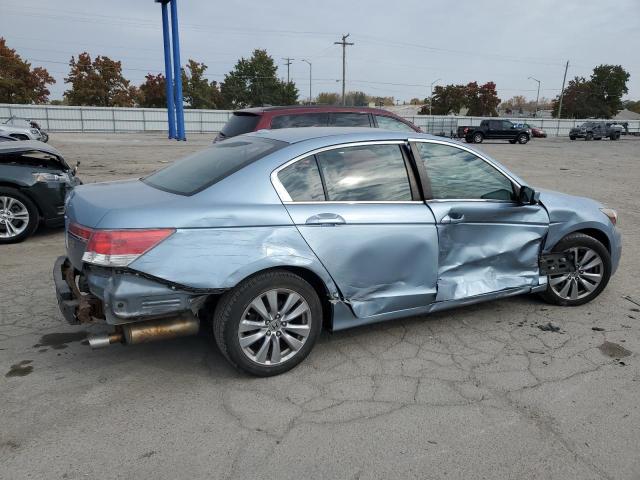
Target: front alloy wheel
x,y
18,216
592,271
268,323
579,284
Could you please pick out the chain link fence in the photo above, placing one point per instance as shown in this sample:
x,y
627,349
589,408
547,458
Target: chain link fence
x,y
56,118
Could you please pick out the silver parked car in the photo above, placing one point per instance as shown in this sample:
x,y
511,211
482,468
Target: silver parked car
x,y
274,235
20,129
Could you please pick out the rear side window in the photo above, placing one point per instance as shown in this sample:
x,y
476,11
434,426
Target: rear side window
x,y
347,119
365,173
389,123
202,169
240,123
301,120
302,181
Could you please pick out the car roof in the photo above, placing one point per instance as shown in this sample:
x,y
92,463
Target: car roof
x,y
339,134
28,146
314,108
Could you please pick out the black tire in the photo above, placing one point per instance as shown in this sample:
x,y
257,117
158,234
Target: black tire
x,y
572,137
478,137
34,217
588,137
45,137
581,240
523,138
232,305
19,136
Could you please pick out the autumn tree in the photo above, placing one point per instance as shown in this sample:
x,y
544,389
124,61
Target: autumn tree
x,y
152,93
356,99
599,96
482,101
328,98
99,82
19,83
197,91
254,82
446,100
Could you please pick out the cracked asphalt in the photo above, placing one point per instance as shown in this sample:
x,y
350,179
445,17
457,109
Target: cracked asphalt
x,y
475,393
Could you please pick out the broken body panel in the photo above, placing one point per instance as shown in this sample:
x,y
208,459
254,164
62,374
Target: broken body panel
x,y
383,260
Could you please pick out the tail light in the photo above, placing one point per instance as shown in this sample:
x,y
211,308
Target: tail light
x,y
117,248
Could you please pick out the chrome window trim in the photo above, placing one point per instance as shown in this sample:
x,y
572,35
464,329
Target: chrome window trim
x,y
286,198
492,200
473,152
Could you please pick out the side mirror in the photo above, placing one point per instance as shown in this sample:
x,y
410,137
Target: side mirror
x,y
528,196
75,169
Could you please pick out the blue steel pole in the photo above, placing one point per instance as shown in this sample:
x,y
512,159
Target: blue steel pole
x,y
171,112
177,75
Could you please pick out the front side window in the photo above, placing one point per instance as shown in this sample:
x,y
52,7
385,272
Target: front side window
x,y
301,120
365,173
206,167
458,174
302,181
389,123
507,125
348,119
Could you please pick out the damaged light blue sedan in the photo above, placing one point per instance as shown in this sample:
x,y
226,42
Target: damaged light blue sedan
x,y
271,236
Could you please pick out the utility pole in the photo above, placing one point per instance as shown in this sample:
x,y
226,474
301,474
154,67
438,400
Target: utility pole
x,y
287,64
538,95
566,67
344,44
309,63
431,94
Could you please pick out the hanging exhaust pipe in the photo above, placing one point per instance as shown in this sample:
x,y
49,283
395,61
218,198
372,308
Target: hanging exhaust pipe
x,y
149,331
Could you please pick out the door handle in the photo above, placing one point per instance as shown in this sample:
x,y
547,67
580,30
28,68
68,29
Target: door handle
x,y
325,219
453,217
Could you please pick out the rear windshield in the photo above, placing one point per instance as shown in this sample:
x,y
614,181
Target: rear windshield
x,y
240,123
202,169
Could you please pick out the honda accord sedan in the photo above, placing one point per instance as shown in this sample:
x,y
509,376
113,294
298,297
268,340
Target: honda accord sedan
x,y
269,237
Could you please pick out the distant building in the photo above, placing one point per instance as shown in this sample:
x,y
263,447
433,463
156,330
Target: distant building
x,y
627,115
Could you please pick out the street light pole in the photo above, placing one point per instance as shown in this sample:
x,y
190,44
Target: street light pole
x,y
431,93
538,94
309,63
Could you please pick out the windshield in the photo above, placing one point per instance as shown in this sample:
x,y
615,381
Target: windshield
x,y
202,169
240,123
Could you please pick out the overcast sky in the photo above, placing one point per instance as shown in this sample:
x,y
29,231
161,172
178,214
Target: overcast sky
x,y
400,46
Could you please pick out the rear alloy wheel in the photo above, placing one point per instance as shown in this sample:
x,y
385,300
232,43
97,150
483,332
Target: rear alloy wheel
x,y
588,137
478,137
269,323
593,270
523,138
18,216
572,137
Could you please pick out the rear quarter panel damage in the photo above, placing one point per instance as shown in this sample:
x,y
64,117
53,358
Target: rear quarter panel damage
x,y
222,257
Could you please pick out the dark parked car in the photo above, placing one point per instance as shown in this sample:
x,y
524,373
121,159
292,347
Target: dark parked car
x,y
495,129
596,131
271,118
269,237
34,181
536,132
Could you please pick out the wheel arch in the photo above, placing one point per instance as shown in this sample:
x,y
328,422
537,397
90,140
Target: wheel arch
x,y
23,189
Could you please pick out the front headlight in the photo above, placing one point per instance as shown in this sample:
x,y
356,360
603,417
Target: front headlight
x,y
611,214
50,177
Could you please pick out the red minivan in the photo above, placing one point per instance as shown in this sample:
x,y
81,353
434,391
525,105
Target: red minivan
x,y
259,118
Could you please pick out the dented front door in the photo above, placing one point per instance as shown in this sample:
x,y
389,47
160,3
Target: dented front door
x,y
487,246
488,241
